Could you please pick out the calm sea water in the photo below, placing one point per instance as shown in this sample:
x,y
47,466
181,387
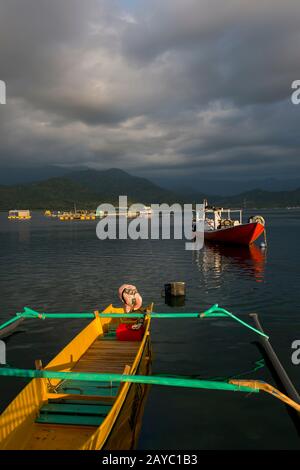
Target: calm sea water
x,y
61,266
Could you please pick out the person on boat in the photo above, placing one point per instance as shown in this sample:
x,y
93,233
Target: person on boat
x,y
217,217
132,301
130,297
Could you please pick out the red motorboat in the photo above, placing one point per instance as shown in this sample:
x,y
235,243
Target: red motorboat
x,y
221,227
244,234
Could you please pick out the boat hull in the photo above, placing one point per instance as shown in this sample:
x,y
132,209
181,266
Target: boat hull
x,y
28,423
127,427
244,234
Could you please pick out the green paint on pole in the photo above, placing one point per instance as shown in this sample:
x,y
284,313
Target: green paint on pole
x,y
144,379
213,312
9,322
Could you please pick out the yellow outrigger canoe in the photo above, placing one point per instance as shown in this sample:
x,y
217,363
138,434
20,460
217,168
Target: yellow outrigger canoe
x,y
92,394
53,414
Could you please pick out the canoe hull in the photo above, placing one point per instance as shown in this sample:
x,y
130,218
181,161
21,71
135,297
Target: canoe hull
x,y
21,426
244,234
126,430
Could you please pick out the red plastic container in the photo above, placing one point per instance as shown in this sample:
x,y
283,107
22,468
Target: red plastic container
x,y
124,332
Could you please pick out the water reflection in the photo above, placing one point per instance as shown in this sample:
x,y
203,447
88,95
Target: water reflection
x,y
216,259
24,231
175,301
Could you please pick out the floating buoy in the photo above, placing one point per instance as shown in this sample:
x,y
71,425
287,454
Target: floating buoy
x,y
263,245
175,294
175,289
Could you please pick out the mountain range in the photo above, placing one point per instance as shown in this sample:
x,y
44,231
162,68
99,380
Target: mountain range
x,y
89,188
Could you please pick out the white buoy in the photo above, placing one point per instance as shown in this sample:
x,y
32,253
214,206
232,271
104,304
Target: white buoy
x,y
263,245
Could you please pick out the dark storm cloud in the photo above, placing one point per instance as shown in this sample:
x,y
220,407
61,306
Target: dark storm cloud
x,y
165,86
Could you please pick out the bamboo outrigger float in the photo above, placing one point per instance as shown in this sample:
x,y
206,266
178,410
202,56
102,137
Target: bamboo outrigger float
x,y
75,401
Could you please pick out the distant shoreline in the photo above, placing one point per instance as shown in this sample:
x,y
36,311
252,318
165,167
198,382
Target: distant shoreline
x,y
288,208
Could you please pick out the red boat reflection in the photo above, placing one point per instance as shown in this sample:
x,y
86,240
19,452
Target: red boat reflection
x,y
250,258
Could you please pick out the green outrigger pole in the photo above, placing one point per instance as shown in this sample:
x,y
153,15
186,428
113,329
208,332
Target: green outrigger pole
x,y
213,312
248,386
142,379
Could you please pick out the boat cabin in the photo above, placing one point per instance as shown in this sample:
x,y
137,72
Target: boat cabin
x,y
217,217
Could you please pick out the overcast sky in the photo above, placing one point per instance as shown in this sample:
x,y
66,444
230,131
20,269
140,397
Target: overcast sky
x,y
161,88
